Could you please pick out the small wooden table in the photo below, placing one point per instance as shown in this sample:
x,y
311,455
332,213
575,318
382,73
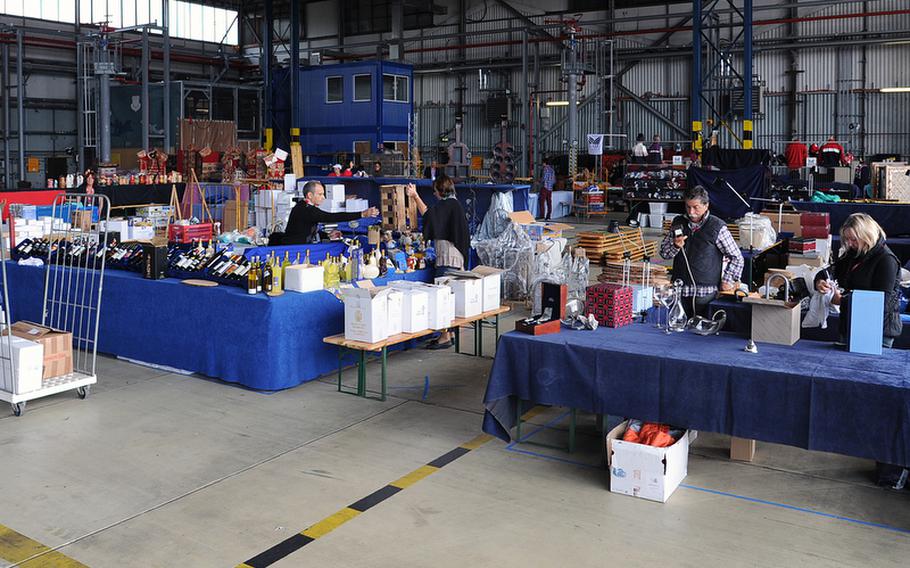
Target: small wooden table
x,y
381,347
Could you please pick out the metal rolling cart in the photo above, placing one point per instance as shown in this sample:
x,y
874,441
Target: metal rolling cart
x,y
74,274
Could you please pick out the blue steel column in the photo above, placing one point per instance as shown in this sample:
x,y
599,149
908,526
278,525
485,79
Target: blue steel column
x,y
265,65
295,64
695,95
747,75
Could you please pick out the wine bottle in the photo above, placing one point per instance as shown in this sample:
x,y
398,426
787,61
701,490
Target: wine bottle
x,y
257,266
284,266
297,260
251,282
267,275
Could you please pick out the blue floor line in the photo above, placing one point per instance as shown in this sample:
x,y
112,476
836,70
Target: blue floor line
x,y
795,508
511,448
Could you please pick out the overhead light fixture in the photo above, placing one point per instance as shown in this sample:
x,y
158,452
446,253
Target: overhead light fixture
x,y
895,90
557,103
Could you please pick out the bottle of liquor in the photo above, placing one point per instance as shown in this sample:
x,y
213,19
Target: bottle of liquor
x,y
257,266
306,259
383,265
297,260
267,275
284,266
277,277
251,282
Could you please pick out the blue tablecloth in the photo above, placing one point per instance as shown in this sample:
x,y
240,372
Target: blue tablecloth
x,y
894,219
318,252
260,342
810,395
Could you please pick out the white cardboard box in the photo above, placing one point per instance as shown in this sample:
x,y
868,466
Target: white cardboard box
x,y
332,206
304,278
396,300
642,298
645,471
142,232
28,364
356,205
121,226
334,192
468,295
492,286
414,310
366,313
441,306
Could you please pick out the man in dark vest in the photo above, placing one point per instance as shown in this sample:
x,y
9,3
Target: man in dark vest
x,y
705,256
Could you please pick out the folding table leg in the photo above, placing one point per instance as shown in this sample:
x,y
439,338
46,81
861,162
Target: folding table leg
x,y
457,339
476,326
362,374
384,359
340,358
480,338
572,431
496,340
518,421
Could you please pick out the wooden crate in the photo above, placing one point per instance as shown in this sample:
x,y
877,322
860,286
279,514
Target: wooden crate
x,y
612,272
398,212
606,247
895,183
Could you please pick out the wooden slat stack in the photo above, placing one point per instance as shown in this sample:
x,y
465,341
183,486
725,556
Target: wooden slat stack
x,y
398,212
612,272
606,247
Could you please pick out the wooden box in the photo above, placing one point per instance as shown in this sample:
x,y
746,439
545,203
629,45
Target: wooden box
x,y
398,212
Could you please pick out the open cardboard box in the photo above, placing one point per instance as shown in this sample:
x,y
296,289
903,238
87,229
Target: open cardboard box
x,y
549,229
644,471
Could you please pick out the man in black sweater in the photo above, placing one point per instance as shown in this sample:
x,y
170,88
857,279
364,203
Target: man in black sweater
x,y
306,216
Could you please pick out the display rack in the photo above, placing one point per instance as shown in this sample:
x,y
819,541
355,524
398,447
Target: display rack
x,y
72,302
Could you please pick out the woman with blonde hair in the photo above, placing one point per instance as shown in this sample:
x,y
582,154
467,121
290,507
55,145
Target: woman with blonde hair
x,y
865,263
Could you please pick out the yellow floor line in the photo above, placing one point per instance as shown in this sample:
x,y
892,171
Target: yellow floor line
x,y
415,476
330,523
16,548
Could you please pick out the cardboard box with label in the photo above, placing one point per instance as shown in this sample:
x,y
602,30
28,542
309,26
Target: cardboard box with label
x,y
58,347
28,361
366,312
645,471
394,323
441,306
789,223
304,277
468,292
492,286
414,310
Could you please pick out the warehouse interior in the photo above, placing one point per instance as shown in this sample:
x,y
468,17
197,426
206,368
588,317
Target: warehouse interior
x,y
218,411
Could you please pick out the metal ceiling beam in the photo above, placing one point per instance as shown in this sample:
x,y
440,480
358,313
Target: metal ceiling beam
x,y
653,111
534,26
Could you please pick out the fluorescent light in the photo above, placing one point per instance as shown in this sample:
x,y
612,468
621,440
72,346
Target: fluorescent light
x,y
557,103
895,90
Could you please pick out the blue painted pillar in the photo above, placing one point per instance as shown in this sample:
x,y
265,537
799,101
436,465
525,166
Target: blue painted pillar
x,y
265,65
747,75
695,94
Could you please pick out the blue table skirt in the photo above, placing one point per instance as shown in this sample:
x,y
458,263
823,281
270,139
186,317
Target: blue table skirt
x,y
810,395
260,342
318,252
894,219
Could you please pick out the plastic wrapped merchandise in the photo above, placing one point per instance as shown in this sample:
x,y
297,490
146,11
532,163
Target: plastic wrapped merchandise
x,y
578,269
511,249
756,231
547,267
495,223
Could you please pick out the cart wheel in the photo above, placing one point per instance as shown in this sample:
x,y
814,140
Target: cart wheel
x,y
18,408
82,392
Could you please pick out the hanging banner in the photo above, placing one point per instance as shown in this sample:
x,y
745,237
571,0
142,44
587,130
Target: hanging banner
x,y
595,144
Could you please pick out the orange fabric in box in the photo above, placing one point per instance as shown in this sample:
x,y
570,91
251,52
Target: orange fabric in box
x,y
58,346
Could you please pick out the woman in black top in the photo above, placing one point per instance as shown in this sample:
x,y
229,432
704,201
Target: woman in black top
x,y
306,216
865,263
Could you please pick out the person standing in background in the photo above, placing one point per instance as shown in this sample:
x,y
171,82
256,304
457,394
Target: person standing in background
x,y
796,154
545,198
655,151
639,151
431,171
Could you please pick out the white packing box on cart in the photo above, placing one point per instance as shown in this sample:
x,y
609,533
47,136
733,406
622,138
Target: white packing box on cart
x,y
304,277
366,313
645,471
414,310
394,325
28,365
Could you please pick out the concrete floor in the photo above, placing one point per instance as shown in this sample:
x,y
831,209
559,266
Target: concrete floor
x,y
157,469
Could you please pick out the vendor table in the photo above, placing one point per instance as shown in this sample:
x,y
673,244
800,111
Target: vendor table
x,y
476,322
810,395
894,218
260,342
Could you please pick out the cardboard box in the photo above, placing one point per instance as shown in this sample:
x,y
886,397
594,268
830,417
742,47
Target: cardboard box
x,y
441,306
394,322
815,231
332,206
492,286
121,226
864,310
58,347
645,471
468,295
813,219
28,361
304,278
233,210
807,259
366,313
789,223
334,192
742,449
414,310
142,233
82,220
537,230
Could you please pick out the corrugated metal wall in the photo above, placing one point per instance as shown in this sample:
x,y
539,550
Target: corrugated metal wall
x,y
666,83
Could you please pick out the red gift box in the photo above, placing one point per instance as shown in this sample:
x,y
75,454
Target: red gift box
x,y
816,232
188,233
802,245
814,219
611,304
